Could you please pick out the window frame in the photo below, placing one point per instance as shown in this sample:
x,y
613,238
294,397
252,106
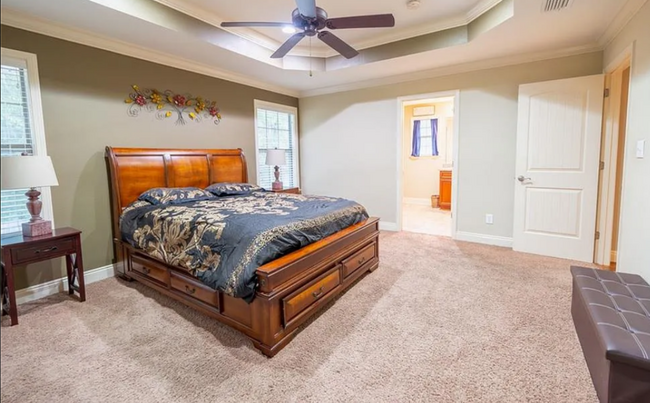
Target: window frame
x,y
28,61
425,117
259,104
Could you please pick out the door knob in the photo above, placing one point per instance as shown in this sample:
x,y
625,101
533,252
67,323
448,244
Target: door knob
x,y
522,178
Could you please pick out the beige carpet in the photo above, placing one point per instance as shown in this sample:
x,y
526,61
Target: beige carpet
x,y
439,321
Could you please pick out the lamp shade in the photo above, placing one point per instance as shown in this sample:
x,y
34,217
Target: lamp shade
x,y
276,157
19,172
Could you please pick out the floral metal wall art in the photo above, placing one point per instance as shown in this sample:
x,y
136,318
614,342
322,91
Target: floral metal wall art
x,y
166,104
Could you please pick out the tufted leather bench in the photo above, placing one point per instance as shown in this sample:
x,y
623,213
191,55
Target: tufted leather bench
x,y
611,313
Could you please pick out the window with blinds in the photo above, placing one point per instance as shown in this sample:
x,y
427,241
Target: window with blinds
x,y
16,133
276,128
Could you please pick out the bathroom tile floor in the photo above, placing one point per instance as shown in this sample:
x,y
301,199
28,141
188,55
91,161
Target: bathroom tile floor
x,y
426,220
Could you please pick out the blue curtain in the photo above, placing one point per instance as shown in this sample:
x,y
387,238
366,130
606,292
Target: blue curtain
x,y
434,137
415,148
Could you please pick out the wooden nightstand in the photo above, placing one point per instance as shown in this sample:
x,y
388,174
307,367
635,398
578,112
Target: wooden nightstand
x,y
19,250
288,190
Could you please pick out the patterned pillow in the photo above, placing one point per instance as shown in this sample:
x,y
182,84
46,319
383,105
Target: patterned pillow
x,y
174,195
231,189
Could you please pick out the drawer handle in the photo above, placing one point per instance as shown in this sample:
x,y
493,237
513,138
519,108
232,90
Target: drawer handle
x,y
318,293
146,270
53,248
190,290
361,260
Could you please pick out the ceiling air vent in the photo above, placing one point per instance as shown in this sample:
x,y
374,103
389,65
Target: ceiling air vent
x,y
555,5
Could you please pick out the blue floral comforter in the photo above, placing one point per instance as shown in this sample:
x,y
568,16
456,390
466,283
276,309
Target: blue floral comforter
x,y
222,241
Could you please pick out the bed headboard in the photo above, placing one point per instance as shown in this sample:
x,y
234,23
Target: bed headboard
x,y
131,171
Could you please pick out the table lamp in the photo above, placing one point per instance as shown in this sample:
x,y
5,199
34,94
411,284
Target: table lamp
x,y
19,172
276,157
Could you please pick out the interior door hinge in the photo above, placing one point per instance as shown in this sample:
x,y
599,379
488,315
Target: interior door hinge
x,y
602,165
597,235
606,93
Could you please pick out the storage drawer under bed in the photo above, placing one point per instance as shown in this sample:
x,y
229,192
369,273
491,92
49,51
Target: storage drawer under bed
x,y
301,299
354,262
195,289
149,270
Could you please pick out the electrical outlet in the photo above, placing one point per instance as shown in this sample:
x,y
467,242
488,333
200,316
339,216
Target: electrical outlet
x,y
489,219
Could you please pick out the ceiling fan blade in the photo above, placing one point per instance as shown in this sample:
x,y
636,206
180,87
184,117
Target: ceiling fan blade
x,y
307,8
288,45
337,44
362,21
257,24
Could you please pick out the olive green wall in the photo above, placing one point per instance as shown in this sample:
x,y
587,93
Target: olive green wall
x,y
83,91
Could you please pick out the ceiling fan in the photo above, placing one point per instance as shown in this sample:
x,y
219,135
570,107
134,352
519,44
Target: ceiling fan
x,y
311,20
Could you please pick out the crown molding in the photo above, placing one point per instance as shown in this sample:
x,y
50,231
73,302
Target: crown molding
x,y
455,69
49,28
629,10
480,9
394,36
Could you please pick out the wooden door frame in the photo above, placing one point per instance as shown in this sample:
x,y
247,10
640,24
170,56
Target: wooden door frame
x,y
400,155
608,156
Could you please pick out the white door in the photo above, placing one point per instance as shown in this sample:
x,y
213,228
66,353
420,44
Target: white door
x,y
556,183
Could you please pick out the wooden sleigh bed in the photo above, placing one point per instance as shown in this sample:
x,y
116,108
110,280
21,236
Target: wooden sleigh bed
x,y
290,289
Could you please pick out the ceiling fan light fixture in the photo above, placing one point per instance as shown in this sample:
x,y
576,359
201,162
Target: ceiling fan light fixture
x,y
309,20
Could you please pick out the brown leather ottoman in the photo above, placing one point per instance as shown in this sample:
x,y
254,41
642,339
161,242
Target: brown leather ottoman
x,y
611,313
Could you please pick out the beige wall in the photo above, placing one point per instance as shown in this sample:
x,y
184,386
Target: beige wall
x,y
357,133
421,175
633,254
83,91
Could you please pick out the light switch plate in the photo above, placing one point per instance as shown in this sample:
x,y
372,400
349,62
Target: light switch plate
x,y
640,149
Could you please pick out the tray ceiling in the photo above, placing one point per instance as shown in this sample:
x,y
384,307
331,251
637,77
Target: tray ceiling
x,y
511,31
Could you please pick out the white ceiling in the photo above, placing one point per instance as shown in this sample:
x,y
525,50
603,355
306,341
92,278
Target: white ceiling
x,y
130,27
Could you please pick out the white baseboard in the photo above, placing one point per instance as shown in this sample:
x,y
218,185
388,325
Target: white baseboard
x,y
483,238
388,226
418,201
613,255
56,286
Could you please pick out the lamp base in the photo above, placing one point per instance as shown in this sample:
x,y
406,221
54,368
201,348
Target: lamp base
x,y
37,228
277,185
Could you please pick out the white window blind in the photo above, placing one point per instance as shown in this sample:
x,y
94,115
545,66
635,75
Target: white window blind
x,y
276,128
18,134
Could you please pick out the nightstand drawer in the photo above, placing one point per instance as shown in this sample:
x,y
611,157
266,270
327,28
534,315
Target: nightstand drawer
x,y
44,250
288,190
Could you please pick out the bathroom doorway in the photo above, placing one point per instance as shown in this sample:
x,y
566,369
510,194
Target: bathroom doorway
x,y
427,164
